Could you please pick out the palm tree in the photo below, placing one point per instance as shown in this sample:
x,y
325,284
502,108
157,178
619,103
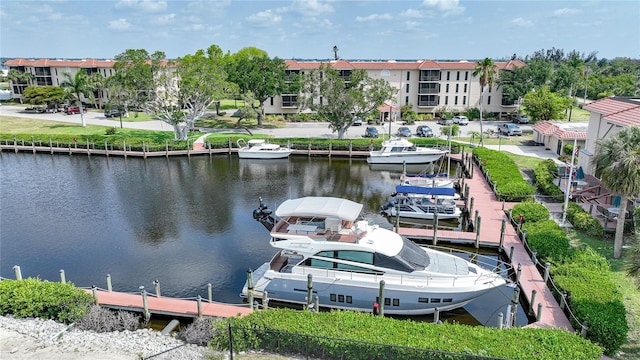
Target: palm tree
x,y
487,72
99,84
617,163
76,87
21,80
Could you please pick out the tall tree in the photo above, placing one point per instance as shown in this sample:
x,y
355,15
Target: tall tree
x,y
77,87
184,95
338,99
99,84
20,80
253,71
135,69
617,163
44,95
486,71
542,104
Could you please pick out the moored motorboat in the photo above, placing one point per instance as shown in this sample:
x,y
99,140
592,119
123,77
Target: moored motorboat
x,y
421,202
402,151
347,258
260,149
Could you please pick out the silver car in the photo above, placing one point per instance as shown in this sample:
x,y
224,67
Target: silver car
x,y
509,129
461,120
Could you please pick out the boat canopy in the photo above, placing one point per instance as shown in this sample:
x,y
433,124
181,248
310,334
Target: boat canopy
x,y
407,189
256,141
320,207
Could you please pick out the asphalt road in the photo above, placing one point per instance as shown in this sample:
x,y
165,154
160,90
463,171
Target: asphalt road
x,y
313,129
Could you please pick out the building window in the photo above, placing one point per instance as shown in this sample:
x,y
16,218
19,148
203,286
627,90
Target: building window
x,y
458,76
406,100
290,101
321,100
466,76
465,87
448,75
332,297
488,100
464,100
447,88
489,88
396,302
407,88
457,87
446,100
408,75
349,299
271,100
455,101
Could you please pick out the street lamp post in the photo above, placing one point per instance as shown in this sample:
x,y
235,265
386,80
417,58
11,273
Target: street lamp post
x,y
568,189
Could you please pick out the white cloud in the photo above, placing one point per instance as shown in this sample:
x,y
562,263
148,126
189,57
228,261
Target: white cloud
x,y
373,17
566,12
447,7
411,24
195,27
412,14
310,7
120,24
264,18
522,22
144,5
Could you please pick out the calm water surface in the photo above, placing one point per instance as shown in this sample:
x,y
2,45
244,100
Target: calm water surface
x,y
186,222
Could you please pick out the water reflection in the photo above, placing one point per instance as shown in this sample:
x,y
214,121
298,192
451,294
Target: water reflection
x,y
186,222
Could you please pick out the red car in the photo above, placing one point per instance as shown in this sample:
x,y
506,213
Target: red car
x,y
75,110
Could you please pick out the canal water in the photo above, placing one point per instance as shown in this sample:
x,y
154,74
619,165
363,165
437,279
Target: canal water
x,y
185,222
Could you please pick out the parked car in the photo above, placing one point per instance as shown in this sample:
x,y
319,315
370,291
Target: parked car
x,y
461,120
370,132
445,121
424,131
356,121
509,129
74,110
403,131
113,113
520,119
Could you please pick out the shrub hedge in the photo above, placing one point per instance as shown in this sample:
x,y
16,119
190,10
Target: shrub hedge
x,y
531,212
504,171
544,174
548,239
366,332
47,300
594,298
583,221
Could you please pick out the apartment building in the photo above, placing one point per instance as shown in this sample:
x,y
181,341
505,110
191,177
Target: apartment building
x,y
429,86
49,72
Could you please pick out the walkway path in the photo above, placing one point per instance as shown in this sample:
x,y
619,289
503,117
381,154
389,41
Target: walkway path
x,y
491,216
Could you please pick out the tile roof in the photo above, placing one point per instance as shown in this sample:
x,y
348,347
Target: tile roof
x,y
561,131
620,111
85,63
398,65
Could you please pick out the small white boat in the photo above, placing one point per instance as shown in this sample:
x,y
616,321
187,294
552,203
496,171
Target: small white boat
x,y
260,149
419,202
402,151
326,252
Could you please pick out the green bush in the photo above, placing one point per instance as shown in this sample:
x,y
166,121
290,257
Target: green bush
x,y
594,297
48,300
548,239
366,336
505,173
531,212
544,174
583,221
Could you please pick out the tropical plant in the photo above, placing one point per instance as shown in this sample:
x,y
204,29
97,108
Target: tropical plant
x,y
99,84
617,163
543,104
486,71
44,95
77,87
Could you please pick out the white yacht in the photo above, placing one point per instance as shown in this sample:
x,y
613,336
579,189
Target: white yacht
x,y
402,151
348,258
260,149
421,202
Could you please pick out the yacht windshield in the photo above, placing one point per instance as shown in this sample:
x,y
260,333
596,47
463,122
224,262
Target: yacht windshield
x,y
413,255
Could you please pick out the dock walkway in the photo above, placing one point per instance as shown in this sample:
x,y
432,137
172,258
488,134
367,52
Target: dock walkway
x,y
491,213
166,306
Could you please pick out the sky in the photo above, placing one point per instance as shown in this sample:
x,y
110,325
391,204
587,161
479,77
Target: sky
x,y
380,30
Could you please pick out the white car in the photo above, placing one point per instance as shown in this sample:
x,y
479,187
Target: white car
x,y
461,120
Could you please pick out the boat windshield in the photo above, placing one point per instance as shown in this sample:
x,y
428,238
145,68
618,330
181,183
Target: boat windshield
x,y
413,255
